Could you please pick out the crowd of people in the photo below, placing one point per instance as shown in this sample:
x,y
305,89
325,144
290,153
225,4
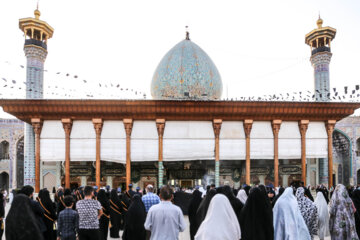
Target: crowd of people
x,y
223,213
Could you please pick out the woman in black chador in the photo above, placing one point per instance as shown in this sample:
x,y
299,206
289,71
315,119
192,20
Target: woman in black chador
x,y
193,207
134,220
256,220
49,216
21,223
116,212
105,218
204,205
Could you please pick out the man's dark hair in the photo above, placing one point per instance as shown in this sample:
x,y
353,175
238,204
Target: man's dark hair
x,y
88,190
213,185
68,200
166,192
27,190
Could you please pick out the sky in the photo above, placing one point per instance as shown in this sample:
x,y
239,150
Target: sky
x,y
258,46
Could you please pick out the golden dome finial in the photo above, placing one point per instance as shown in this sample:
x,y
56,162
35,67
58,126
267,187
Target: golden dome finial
x,y
319,22
37,12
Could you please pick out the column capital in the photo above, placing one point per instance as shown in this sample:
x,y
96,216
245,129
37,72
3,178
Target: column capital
x,y
98,124
248,126
37,125
303,126
217,127
275,124
67,125
330,125
160,126
128,124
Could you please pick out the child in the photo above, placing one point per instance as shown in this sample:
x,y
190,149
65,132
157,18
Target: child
x,y
68,221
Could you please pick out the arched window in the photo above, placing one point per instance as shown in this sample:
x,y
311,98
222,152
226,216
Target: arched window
x,y
358,147
4,150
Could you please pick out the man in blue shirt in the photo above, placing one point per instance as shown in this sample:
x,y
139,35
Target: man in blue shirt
x,y
150,198
68,221
165,220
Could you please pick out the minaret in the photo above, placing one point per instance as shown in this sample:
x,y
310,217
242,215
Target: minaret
x,y
319,41
37,33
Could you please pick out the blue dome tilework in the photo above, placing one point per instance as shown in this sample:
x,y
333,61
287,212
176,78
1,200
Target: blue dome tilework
x,y
186,72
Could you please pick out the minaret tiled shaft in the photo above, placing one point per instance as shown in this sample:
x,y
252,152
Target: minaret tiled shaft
x,y
36,33
320,62
34,90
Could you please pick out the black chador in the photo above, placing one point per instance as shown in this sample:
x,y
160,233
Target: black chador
x,y
116,214
105,218
134,220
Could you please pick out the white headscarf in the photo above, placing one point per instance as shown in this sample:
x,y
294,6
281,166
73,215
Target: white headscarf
x,y
323,213
220,222
288,221
242,196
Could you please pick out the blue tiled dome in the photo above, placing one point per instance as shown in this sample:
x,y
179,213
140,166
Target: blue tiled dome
x,y
186,72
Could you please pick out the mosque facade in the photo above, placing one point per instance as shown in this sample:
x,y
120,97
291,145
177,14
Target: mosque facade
x,y
185,136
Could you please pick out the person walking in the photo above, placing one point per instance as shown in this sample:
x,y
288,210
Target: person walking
x,y
89,213
134,220
165,220
105,218
221,222
342,222
68,221
116,212
308,211
288,221
323,212
150,199
49,215
256,219
193,207
2,216
21,223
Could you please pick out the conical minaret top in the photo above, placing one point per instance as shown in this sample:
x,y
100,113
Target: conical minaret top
x,y
36,31
319,41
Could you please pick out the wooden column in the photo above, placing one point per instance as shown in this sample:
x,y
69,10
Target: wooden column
x,y
276,128
303,126
160,125
98,124
37,125
247,128
128,123
67,125
330,124
217,127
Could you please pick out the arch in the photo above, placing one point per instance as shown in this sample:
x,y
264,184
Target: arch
x,y
342,144
358,147
4,150
20,162
49,181
4,181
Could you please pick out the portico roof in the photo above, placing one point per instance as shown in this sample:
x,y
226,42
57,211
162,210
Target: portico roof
x,y
176,110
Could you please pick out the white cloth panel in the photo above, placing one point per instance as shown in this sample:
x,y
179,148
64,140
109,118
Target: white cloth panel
x,y
316,140
52,150
52,141
52,130
188,140
232,141
289,141
113,142
144,141
261,141
83,141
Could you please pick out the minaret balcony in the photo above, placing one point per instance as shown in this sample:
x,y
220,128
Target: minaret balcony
x,y
320,49
36,43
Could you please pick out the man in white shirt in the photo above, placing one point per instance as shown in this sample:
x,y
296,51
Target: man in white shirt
x,y
165,220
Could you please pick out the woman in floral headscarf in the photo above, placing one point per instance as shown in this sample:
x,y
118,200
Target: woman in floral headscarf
x,y
342,222
308,211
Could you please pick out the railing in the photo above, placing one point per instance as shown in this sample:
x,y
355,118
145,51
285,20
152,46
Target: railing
x,y
320,49
36,43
